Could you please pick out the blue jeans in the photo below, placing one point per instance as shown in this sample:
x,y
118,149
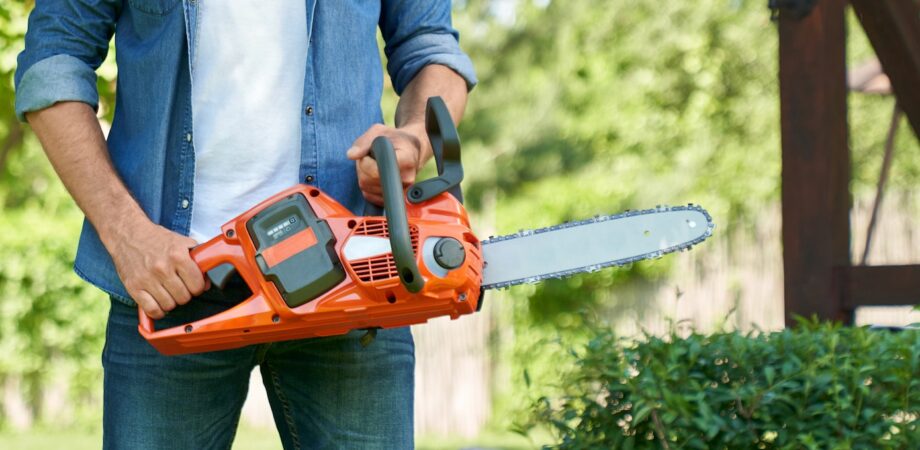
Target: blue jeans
x,y
324,393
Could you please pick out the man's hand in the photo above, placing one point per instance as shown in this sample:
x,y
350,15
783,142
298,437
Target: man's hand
x,y
153,262
412,152
409,139
155,266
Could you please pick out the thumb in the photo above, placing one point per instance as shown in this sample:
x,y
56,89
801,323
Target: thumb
x,y
355,152
187,241
362,146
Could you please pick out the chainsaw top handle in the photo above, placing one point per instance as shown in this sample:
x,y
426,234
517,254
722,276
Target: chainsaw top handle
x,y
394,206
445,146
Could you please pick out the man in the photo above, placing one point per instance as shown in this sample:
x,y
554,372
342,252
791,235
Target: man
x,y
219,105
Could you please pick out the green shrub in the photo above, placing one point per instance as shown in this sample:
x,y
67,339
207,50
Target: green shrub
x,y
815,386
51,323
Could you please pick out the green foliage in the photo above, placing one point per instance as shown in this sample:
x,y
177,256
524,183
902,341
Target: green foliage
x,y
51,323
586,107
817,386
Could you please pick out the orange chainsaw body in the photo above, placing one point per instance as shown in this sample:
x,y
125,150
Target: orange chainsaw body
x,y
371,294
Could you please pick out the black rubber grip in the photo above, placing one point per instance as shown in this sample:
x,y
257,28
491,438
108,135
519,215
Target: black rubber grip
x,y
445,145
394,206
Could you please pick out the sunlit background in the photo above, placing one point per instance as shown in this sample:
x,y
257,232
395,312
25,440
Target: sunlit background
x,y
583,107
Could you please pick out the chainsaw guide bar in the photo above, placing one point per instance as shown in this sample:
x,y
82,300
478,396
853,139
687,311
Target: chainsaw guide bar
x,y
531,256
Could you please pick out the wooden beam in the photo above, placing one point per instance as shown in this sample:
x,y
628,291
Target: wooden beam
x,y
893,28
816,160
881,285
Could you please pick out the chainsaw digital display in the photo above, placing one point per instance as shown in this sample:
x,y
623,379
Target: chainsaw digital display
x,y
283,229
295,250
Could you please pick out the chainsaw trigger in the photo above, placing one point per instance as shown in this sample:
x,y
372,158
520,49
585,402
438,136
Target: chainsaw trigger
x,y
221,274
369,335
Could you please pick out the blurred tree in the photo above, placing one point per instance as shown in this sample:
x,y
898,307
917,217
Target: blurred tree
x,y
51,323
586,107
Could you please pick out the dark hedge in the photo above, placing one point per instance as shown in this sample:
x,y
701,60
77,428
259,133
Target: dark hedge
x,y
817,386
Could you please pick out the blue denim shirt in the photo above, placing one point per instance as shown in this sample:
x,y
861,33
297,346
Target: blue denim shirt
x,y
150,141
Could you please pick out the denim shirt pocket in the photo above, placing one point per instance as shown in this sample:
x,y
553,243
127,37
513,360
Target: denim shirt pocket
x,y
156,7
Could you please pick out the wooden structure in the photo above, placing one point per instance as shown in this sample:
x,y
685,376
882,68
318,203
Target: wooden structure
x,y
819,276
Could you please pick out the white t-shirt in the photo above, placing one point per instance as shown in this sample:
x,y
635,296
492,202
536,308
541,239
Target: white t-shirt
x,y
247,91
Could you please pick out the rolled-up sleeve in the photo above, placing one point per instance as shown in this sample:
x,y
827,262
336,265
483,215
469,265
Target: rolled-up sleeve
x,y
418,33
66,42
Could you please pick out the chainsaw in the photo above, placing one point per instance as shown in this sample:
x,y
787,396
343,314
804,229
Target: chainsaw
x,y
315,269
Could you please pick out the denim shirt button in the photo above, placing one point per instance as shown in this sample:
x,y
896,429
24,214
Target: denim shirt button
x,y
309,178
309,110
185,203
188,137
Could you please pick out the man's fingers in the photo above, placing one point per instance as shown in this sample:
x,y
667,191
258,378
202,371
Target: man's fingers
x,y
369,180
408,155
362,146
407,177
149,305
188,277
157,269
368,176
192,278
162,296
369,189
367,167
177,290
373,198
189,274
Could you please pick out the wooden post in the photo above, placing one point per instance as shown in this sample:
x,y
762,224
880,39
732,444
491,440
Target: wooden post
x,y
893,28
816,160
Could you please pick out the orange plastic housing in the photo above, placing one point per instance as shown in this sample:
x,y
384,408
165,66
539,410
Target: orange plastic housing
x,y
371,295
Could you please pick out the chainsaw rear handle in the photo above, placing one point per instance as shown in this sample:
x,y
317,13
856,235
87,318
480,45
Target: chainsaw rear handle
x,y
394,207
217,258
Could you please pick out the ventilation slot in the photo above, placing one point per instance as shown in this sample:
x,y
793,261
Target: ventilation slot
x,y
376,227
380,267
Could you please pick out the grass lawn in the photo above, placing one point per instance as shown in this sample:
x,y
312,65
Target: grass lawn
x,y
246,439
